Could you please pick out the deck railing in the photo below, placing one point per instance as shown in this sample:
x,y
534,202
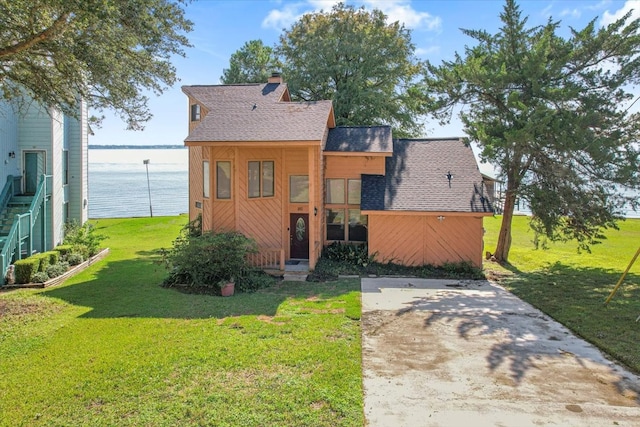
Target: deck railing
x,y
267,258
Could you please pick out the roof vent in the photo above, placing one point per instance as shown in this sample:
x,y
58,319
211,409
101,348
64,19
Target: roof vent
x,y
275,78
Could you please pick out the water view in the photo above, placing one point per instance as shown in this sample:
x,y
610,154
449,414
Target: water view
x,y
118,182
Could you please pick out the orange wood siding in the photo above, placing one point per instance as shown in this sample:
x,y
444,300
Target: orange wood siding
x,y
195,181
353,166
422,239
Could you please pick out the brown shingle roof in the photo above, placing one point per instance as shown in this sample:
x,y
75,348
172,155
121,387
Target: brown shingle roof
x,y
254,112
416,179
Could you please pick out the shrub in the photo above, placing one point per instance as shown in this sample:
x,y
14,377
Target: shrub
x,y
43,259
74,259
254,280
63,250
53,256
82,238
58,269
205,261
348,252
25,269
40,277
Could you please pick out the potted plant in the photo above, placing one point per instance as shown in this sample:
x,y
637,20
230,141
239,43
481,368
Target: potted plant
x,y
227,287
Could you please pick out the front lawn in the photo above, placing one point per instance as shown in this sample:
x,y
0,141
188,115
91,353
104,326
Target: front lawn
x,y
572,287
112,347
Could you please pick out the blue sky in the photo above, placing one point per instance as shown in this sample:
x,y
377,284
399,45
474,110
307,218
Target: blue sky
x,y
222,27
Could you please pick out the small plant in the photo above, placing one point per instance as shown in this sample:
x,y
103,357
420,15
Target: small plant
x,y
58,269
348,252
82,238
40,277
74,259
254,280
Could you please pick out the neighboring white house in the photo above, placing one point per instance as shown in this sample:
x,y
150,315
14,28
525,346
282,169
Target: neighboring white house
x,y
37,142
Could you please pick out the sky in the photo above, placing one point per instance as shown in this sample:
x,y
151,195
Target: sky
x,y
221,27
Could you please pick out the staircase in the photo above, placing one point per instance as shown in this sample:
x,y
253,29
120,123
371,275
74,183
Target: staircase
x,y
17,205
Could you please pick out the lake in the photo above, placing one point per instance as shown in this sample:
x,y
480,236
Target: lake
x,y
118,182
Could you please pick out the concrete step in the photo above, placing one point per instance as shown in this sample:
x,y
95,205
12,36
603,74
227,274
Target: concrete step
x,y
295,276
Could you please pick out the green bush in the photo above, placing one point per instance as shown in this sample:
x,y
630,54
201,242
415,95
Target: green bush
x,y
54,257
348,252
40,277
82,238
63,250
25,269
254,280
74,259
205,261
58,269
43,259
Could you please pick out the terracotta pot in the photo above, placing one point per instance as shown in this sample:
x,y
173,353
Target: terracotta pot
x,y
228,289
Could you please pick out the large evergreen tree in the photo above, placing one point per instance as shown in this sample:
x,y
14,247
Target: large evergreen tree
x,y
107,52
355,58
252,63
553,114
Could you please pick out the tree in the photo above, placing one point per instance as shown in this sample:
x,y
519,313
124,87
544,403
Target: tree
x,y
553,114
358,60
252,63
108,53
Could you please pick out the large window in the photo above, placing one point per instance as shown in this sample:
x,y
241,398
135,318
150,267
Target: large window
x,y
261,179
344,220
299,189
223,180
205,179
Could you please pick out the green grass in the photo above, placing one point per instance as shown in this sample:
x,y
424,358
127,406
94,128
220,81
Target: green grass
x,y
112,347
572,287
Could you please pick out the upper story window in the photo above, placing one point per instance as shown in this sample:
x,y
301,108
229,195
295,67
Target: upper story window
x,y
343,217
223,180
261,175
195,112
205,179
299,188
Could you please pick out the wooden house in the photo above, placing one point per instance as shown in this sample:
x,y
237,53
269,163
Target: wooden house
x,y
283,173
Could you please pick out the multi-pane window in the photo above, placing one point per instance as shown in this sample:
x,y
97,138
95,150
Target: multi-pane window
x,y
299,189
261,179
205,179
344,220
223,180
195,112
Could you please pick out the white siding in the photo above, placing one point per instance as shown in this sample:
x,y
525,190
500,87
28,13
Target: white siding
x,y
77,143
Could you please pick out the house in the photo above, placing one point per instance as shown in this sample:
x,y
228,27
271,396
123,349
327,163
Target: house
x,y
44,176
283,173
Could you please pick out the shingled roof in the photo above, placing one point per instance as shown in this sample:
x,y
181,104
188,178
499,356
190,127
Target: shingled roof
x,y
360,139
417,179
256,112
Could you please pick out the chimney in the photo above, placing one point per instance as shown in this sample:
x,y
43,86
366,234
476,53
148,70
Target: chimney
x,y
275,78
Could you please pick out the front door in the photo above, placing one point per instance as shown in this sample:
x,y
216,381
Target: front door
x,y
299,236
33,169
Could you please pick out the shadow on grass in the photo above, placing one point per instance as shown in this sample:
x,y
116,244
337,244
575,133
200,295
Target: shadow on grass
x,y
131,288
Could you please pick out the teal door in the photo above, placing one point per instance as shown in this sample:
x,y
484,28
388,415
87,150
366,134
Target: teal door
x,y
33,170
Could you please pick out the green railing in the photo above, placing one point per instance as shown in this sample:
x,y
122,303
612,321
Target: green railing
x,y
21,231
11,188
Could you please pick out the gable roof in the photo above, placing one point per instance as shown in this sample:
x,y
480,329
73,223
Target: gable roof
x,y
257,112
416,179
360,139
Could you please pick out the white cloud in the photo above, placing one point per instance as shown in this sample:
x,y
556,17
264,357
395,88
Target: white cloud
x,y
573,13
403,12
424,51
610,17
396,10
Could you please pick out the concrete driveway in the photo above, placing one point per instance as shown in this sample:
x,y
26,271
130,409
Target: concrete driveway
x,y
451,353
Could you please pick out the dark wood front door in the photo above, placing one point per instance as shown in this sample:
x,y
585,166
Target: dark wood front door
x,y
299,236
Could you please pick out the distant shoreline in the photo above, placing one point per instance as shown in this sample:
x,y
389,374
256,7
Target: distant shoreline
x,y
135,147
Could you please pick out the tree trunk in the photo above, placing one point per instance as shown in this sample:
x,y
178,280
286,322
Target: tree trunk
x,y
504,238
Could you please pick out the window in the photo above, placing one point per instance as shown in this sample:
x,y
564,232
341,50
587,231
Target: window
x,y
223,180
299,188
65,166
195,112
205,179
261,179
335,224
344,220
335,191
